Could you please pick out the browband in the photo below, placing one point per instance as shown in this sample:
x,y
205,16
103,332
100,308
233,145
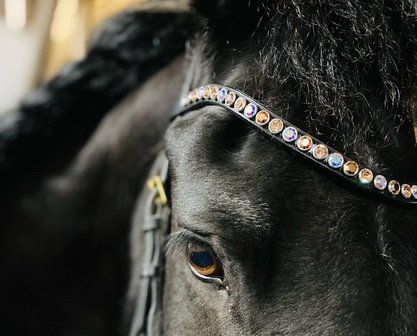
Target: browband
x,y
298,141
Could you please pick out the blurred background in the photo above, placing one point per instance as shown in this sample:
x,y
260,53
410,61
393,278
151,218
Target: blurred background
x,y
38,37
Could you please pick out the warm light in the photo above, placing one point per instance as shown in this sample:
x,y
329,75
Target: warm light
x,y
15,15
64,20
415,132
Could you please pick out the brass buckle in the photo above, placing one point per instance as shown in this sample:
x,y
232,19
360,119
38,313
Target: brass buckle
x,y
155,184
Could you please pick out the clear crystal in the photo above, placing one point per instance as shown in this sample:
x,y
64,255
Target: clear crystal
x,y
414,191
380,182
335,160
289,134
221,95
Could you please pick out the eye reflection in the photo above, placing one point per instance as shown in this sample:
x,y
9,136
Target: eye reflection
x,y
204,263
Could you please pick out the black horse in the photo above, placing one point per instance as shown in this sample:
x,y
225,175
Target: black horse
x,y
262,243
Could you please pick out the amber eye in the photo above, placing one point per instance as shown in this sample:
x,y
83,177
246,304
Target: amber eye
x,y
203,262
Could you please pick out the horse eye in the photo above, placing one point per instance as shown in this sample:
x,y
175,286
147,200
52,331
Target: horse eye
x,y
204,263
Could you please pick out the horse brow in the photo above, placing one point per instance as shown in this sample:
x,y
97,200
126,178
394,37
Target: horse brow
x,y
249,218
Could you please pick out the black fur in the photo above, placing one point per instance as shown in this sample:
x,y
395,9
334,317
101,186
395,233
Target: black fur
x,y
302,255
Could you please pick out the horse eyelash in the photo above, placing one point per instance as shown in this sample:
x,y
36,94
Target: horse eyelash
x,y
178,242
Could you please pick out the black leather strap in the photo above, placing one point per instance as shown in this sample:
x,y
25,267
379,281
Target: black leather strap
x,y
147,313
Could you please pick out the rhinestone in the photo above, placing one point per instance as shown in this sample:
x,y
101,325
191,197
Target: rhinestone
x,y
394,187
194,95
240,104
350,168
305,143
184,101
250,110
406,190
380,182
275,126
213,92
206,94
414,191
200,92
335,160
262,118
221,94
320,152
230,98
366,176
289,134
190,97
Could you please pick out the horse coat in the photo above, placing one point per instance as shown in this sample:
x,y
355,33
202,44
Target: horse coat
x,y
75,156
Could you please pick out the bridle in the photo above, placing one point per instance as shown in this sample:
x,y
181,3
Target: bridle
x,y
146,315
302,144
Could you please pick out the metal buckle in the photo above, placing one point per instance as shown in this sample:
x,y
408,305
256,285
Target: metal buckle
x,y
155,184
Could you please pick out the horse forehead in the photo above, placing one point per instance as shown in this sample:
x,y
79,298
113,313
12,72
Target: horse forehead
x,y
209,197
247,186
211,184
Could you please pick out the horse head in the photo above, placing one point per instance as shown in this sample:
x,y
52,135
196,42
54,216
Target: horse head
x,y
263,243
266,237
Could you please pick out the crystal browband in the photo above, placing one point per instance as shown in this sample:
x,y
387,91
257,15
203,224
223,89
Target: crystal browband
x,y
298,141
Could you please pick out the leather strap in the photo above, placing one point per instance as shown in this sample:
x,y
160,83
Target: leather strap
x,y
147,313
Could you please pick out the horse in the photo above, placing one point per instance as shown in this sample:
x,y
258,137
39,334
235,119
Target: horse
x,y
261,242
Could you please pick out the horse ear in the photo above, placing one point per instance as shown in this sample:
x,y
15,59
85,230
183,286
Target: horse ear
x,y
231,20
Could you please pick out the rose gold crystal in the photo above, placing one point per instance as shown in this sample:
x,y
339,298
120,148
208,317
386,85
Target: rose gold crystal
x,y
240,104
350,168
206,93
394,187
275,126
305,143
262,118
213,92
366,176
406,190
320,152
230,98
